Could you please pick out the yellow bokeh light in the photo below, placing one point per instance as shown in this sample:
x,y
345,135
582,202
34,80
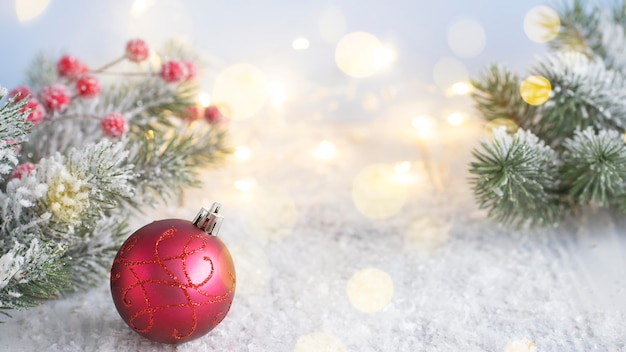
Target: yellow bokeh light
x,y
423,125
521,345
542,24
455,119
278,94
139,7
204,99
269,213
27,10
370,290
466,38
245,185
361,54
509,125
449,71
300,44
403,167
376,192
318,342
460,88
535,90
325,150
332,25
243,153
240,90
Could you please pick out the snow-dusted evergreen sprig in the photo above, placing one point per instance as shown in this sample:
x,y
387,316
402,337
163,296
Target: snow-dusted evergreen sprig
x,y
515,177
96,153
584,93
14,130
496,95
594,166
30,273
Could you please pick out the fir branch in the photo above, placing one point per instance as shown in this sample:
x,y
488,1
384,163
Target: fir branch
x,y
496,95
579,29
35,272
594,166
166,160
516,178
14,130
41,72
584,93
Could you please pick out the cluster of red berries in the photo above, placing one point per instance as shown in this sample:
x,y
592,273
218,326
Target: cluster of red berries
x,y
56,97
211,114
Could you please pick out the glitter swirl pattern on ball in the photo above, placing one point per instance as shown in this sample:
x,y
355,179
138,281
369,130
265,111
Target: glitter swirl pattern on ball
x,y
172,282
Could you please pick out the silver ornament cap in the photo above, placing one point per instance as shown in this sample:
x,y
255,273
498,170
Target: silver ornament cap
x,y
209,220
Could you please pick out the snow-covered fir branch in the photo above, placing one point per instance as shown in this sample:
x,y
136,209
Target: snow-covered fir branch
x,y
80,152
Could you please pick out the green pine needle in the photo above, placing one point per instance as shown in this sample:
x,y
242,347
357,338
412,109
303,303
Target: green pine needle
x,y
515,178
594,166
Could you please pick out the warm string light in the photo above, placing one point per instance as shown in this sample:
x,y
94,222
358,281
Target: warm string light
x,y
245,185
204,99
325,150
242,153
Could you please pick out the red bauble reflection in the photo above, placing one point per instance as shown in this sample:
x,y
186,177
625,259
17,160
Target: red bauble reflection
x,y
172,282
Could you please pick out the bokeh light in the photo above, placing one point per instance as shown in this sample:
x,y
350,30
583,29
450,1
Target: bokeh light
x,y
27,10
427,233
455,119
269,213
325,150
278,94
460,88
300,44
403,167
139,7
521,345
376,192
204,99
318,342
370,290
542,24
332,25
242,153
370,102
448,71
245,185
361,54
466,38
424,126
535,90
240,91
509,125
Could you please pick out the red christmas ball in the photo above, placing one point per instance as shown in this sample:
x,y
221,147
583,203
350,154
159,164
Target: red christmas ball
x,y
171,281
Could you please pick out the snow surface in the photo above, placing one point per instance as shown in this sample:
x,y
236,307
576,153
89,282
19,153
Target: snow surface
x,y
460,283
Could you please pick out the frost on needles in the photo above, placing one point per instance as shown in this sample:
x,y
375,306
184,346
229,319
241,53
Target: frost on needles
x,y
569,152
70,178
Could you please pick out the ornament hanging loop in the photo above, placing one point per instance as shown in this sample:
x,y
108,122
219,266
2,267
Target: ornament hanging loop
x,y
209,220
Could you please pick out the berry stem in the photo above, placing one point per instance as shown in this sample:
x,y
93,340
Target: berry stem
x,y
110,64
128,73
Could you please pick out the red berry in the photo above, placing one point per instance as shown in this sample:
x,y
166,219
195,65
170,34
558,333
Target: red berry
x,y
113,125
20,92
174,71
37,112
193,113
15,143
192,71
71,67
55,97
88,86
213,115
22,170
137,50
